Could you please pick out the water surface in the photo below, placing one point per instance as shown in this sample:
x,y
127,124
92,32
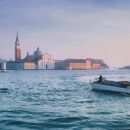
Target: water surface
x,y
58,100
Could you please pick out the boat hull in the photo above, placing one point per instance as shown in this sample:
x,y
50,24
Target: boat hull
x,y
97,86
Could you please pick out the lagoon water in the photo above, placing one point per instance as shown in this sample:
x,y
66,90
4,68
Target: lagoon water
x,y
61,100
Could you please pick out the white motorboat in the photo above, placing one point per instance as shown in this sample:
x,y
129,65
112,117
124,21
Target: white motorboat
x,y
107,85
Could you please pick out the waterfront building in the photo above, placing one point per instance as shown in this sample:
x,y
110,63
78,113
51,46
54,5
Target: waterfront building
x,y
88,64
29,66
60,65
46,62
96,66
13,65
2,64
80,64
42,60
37,60
18,63
75,64
34,57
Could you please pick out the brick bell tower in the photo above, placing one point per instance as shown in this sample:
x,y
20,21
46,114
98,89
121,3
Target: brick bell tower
x,y
17,49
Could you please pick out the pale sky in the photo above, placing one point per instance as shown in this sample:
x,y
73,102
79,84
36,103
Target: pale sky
x,y
68,28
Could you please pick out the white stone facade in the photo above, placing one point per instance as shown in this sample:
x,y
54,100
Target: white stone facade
x,y
46,62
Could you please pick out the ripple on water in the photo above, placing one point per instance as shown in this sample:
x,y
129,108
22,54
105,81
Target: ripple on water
x,y
4,90
58,100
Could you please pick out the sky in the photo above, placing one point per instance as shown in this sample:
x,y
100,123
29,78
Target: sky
x,y
66,29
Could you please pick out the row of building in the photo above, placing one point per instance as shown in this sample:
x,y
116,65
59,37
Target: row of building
x,y
80,64
35,61
39,60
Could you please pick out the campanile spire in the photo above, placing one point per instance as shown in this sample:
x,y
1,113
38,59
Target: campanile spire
x,y
17,37
17,49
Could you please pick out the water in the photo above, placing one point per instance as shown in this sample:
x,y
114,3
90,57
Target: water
x,y
61,100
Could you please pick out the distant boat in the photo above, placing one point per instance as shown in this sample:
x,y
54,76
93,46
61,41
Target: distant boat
x,y
107,85
3,66
3,71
